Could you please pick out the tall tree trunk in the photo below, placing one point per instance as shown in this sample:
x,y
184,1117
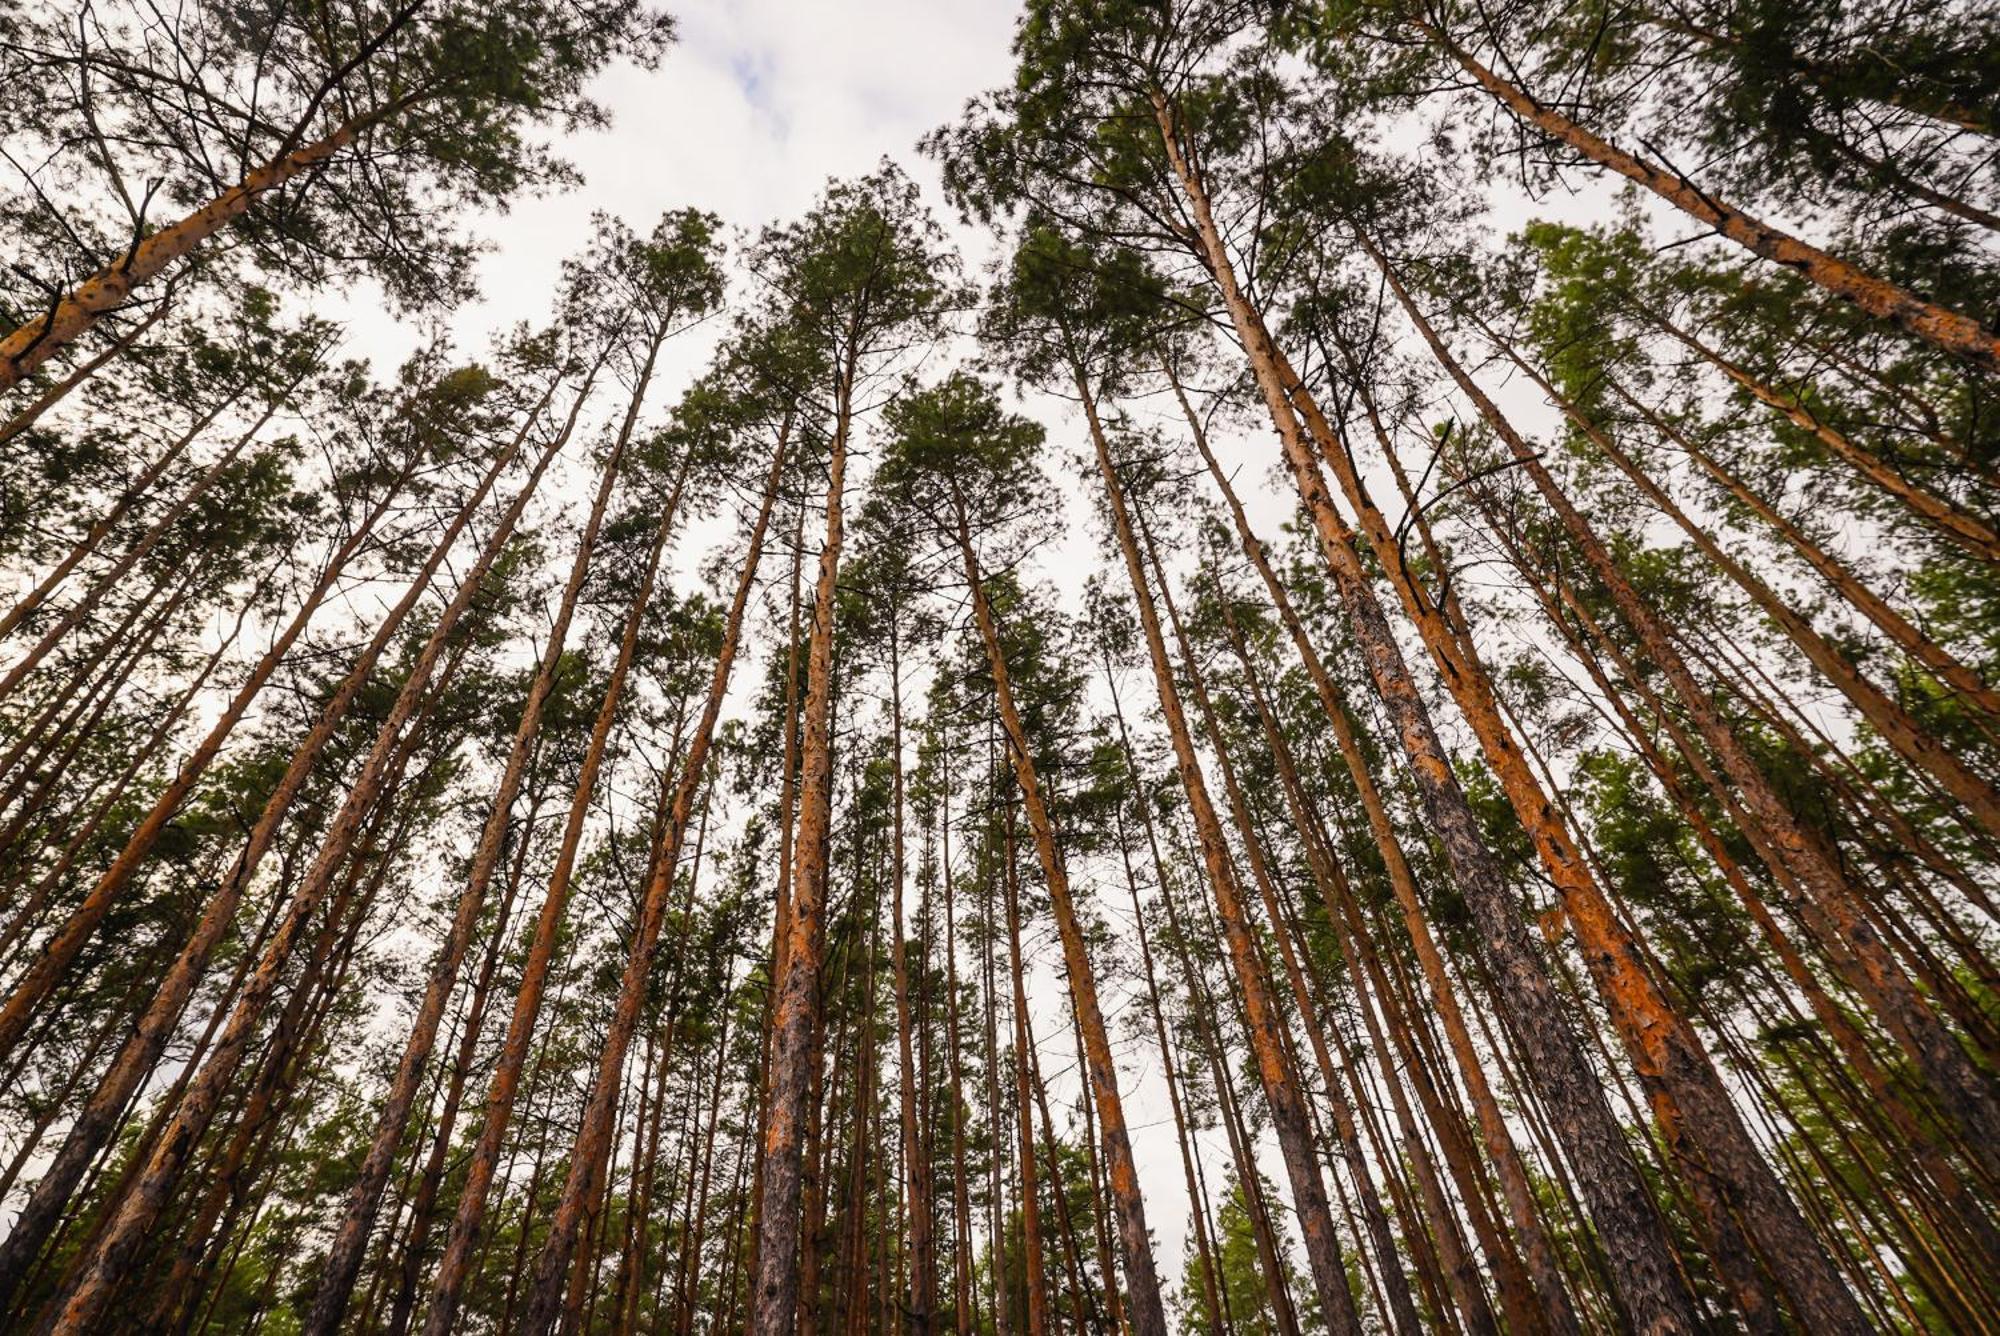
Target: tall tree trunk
x,y
357,1219
1287,1106
1889,719
1402,1309
134,492
79,1305
782,891
961,1186
916,1161
1034,1268
1550,1287
775,1287
448,1286
424,1208
141,1051
1148,1313
1954,333
1963,1093
588,1153
1645,1268
114,576
1204,1248
60,950
1460,1272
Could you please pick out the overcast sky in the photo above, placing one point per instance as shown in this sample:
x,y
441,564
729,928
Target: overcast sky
x,y
754,108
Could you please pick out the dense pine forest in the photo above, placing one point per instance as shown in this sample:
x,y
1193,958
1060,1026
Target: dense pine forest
x,y
1330,665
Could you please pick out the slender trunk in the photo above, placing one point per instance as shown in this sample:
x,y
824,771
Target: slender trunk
x,y
1963,1093
293,1036
1101,1202
961,1186
504,1085
691,1248
422,1210
1646,1270
587,1155
113,577
134,492
104,1267
1940,662
1954,333
1141,1281
916,1163
357,1219
1888,718
996,1237
1966,530
1402,1310
1032,1264
60,950
1264,1024
96,1122
1204,1249
1523,1214
775,1285
781,915
1460,1272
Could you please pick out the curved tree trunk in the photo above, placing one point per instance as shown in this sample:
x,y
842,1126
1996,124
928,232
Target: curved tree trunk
x,y
1645,1269
1947,329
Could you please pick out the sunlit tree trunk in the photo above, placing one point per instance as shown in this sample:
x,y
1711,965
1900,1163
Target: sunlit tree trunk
x,y
448,1286
1645,1267
1148,1314
1947,329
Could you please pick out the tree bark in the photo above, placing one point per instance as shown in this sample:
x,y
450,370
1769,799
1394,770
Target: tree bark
x,y
504,1085
587,1154
1957,334
81,1303
344,1255
1281,1089
1148,1313
26,348
1645,1268
775,1284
